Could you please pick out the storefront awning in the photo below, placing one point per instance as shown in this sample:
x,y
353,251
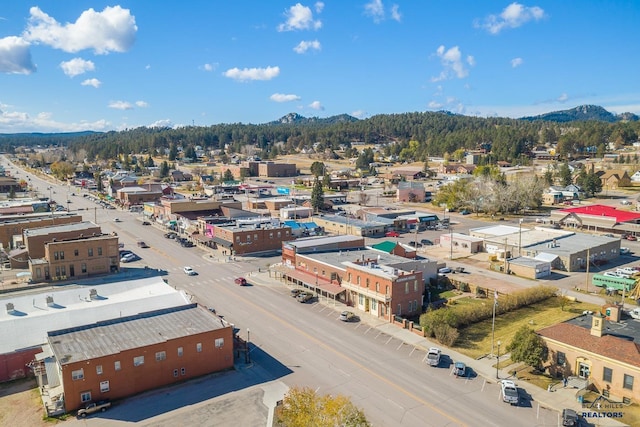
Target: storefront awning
x,y
320,285
222,242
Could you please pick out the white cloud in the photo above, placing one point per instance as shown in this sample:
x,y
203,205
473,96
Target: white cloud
x,y
359,114
516,62
395,13
142,104
112,30
76,66
303,46
19,122
164,123
281,97
513,16
319,6
563,98
147,67
120,105
434,105
452,64
209,67
316,105
252,73
92,82
300,17
375,9
15,56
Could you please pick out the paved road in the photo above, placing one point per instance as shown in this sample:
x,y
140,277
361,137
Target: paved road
x,y
297,344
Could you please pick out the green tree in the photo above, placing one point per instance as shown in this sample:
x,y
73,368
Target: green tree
x,y
149,163
164,169
317,196
528,347
98,179
365,159
317,169
589,182
12,193
173,152
303,407
228,175
564,173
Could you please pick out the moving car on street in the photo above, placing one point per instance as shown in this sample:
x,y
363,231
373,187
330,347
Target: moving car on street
x,y
189,271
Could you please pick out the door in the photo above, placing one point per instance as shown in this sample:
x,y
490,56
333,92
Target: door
x,y
584,370
72,271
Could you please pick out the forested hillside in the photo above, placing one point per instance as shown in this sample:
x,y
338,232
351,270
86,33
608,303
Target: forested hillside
x,y
411,136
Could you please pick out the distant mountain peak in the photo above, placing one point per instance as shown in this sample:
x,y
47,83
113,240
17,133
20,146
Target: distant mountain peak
x,y
583,113
295,118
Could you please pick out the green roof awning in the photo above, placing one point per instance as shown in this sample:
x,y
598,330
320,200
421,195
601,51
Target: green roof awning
x,y
386,246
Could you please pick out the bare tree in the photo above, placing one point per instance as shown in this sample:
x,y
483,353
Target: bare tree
x,y
363,198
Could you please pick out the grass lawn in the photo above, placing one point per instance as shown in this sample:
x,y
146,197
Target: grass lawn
x,y
475,340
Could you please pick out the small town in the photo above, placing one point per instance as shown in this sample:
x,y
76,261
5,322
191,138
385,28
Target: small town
x,y
540,300
363,213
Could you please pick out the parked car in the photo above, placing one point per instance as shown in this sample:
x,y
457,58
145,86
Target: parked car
x,y
426,242
465,212
128,257
433,356
170,235
632,238
91,408
509,392
392,234
415,244
625,202
186,244
189,271
304,296
146,223
569,417
142,244
116,220
241,281
295,292
459,369
347,316
444,270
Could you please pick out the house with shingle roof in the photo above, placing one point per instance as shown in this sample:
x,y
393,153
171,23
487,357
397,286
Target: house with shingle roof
x,y
613,179
597,352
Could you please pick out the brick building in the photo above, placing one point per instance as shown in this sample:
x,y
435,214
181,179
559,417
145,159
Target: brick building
x,y
592,351
35,239
274,170
12,227
77,258
121,357
251,237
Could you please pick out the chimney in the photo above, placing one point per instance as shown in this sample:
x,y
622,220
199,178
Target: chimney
x,y
10,308
50,302
93,294
597,325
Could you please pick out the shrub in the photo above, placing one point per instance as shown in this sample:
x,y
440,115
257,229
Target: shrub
x,y
446,334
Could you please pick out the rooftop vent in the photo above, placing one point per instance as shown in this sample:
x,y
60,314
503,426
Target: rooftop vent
x,y
93,294
50,302
10,308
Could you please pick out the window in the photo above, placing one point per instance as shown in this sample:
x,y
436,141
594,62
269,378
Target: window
x,y
271,235
387,292
219,342
104,386
377,286
349,277
367,282
374,305
138,361
99,369
83,267
255,237
56,256
248,237
561,358
57,271
76,252
175,373
63,270
607,374
415,286
182,371
199,347
399,313
360,299
180,351
358,280
406,288
237,238
116,365
161,355
61,254
628,382
85,397
99,251
279,234
90,252
77,375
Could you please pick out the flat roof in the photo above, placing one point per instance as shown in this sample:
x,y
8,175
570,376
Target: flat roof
x,y
72,306
62,228
112,336
351,221
323,240
337,258
571,244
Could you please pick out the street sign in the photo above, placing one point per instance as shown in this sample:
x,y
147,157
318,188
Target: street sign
x,y
283,190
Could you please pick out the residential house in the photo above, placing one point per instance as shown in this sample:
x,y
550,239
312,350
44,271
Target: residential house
x,y
613,179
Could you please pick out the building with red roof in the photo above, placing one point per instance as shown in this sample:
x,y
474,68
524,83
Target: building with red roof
x,y
598,218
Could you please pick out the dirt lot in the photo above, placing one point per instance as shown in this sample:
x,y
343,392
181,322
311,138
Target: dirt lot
x,y
20,405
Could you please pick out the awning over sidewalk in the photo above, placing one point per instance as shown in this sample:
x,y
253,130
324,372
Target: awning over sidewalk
x,y
222,242
310,280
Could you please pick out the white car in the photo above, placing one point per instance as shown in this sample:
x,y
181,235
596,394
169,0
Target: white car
x,y
128,257
189,271
433,356
444,270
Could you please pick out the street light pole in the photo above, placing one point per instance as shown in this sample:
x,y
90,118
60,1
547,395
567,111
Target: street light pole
x,y
247,355
451,241
498,361
520,237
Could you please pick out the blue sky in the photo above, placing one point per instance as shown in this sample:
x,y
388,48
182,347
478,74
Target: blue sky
x,y
89,65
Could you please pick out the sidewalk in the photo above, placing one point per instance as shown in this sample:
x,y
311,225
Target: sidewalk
x,y
557,399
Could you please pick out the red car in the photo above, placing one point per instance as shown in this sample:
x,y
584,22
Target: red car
x,y
632,237
241,281
392,234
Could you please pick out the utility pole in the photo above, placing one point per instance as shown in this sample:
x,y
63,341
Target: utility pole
x,y
586,281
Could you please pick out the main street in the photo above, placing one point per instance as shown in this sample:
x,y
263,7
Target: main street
x,y
306,345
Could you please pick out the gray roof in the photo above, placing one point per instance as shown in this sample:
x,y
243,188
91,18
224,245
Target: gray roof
x,y
338,258
574,243
319,241
62,228
351,221
33,317
113,336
